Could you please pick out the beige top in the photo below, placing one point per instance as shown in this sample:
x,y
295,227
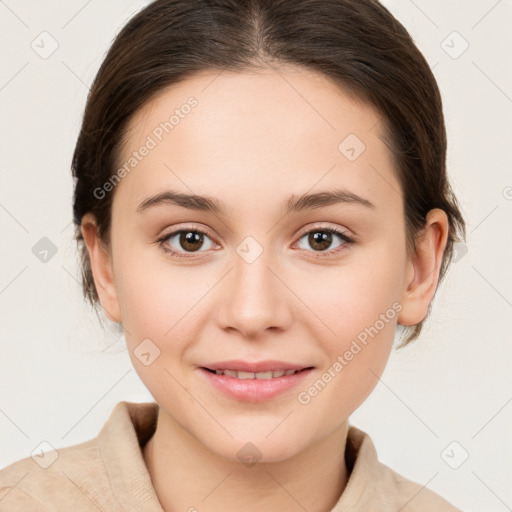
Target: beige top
x,y
108,474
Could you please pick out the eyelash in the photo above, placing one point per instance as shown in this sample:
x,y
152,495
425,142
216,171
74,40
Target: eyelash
x,y
319,254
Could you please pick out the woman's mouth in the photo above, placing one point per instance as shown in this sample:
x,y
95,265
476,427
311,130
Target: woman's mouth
x,y
256,386
252,375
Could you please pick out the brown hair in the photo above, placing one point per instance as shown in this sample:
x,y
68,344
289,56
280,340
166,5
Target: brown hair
x,y
356,43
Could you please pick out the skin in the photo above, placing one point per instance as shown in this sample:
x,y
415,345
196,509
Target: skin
x,y
254,140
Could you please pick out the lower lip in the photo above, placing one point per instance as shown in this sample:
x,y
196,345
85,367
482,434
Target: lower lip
x,y
254,390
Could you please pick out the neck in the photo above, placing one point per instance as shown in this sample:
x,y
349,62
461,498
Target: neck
x,y
311,480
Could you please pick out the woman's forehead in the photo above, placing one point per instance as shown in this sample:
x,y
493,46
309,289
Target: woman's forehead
x,y
265,133
290,101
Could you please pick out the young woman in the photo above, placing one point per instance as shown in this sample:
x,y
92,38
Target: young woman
x,y
261,200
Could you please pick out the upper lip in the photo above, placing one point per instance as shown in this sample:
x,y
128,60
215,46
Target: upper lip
x,y
256,367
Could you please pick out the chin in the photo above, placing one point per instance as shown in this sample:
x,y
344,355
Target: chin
x,y
257,449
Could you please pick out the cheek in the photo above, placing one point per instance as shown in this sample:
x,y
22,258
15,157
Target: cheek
x,y
358,308
159,304
355,296
160,300
357,346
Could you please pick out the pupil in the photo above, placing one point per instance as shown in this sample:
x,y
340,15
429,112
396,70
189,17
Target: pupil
x,y
189,239
321,238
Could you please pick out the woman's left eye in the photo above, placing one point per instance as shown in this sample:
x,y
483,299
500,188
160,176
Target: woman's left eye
x,y
322,238
192,240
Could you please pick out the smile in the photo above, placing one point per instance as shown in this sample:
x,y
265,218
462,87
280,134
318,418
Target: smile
x,y
255,386
253,375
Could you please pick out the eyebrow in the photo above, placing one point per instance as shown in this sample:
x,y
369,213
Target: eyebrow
x,y
211,204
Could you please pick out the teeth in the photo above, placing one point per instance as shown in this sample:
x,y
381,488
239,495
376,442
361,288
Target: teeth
x,y
244,375
252,375
263,375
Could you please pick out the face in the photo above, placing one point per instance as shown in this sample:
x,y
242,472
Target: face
x,y
253,280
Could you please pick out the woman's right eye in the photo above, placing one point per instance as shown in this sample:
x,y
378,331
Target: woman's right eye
x,y
181,241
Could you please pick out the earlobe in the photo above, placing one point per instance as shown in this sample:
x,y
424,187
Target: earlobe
x,y
423,269
101,266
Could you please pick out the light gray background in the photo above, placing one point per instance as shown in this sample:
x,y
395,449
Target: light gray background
x,y
61,374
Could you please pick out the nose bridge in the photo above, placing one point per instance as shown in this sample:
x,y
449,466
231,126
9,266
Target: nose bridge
x,y
252,273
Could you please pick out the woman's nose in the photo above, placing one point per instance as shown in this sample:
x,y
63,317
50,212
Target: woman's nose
x,y
256,298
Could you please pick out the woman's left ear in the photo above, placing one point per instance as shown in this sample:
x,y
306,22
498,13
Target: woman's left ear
x,y
423,268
